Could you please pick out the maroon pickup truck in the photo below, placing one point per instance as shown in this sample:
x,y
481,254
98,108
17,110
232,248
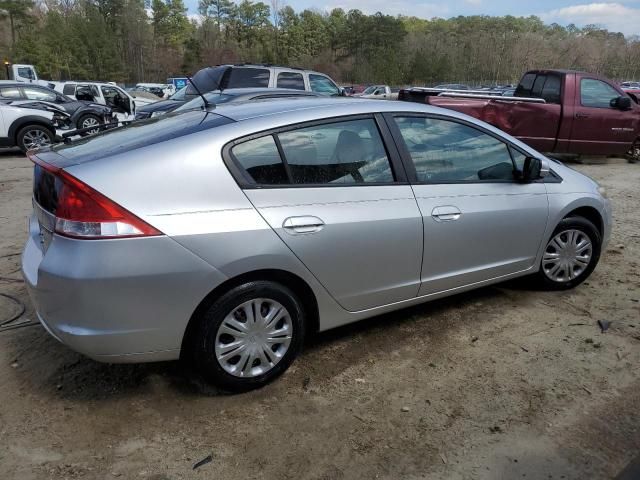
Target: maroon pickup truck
x,y
556,111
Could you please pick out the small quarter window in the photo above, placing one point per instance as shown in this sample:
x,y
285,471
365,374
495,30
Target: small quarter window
x,y
261,160
69,89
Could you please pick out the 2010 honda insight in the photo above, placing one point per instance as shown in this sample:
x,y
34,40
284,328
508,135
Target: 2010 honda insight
x,y
227,235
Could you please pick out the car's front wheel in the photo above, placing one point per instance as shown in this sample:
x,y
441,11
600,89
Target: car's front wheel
x,y
249,336
571,254
34,136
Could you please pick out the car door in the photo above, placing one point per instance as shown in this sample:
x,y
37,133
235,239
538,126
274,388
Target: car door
x,y
479,223
598,127
338,198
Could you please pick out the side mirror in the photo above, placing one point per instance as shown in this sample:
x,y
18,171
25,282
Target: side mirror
x,y
622,103
534,169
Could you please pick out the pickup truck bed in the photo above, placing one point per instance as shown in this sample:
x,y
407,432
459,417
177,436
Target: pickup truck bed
x,y
554,111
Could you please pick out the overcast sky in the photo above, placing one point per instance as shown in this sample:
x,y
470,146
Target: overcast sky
x,y
622,16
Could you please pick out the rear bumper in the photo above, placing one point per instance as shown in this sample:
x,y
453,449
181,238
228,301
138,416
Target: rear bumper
x,y
126,300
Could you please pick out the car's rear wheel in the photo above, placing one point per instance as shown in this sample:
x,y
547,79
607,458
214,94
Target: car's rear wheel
x,y
89,121
570,255
249,336
34,136
633,155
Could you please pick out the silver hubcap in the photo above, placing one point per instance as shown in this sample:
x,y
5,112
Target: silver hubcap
x,y
567,255
90,122
253,338
35,139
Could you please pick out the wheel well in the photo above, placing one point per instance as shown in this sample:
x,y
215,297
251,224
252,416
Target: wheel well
x,y
15,128
590,214
289,280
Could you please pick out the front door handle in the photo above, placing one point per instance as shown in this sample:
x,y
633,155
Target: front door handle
x,y
302,225
446,213
582,115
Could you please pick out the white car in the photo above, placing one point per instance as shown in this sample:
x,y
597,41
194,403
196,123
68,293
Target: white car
x,y
122,104
29,128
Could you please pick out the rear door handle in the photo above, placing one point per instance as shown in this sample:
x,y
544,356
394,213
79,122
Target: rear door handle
x,y
302,225
446,213
582,115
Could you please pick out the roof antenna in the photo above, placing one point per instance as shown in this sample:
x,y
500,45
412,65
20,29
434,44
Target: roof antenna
x,y
207,105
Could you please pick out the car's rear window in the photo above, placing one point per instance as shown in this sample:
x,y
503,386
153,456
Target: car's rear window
x,y
139,134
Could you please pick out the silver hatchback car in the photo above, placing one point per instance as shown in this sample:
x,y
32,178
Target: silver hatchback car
x,y
226,236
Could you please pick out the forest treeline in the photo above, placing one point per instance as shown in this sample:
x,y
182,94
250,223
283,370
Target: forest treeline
x,y
150,40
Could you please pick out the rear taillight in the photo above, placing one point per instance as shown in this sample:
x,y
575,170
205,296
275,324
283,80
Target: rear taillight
x,y
82,212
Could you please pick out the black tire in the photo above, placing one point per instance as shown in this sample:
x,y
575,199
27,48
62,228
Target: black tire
x,y
89,116
205,334
28,131
585,226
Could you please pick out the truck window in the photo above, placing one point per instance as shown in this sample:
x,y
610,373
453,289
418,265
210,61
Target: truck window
x,y
290,80
321,84
69,89
551,89
248,78
525,85
596,93
536,91
26,72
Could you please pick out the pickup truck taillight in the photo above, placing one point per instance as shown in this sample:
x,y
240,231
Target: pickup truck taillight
x,y
80,211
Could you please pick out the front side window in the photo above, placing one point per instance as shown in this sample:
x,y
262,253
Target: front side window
x,y
337,153
39,94
248,78
443,151
10,92
290,80
596,93
26,72
321,84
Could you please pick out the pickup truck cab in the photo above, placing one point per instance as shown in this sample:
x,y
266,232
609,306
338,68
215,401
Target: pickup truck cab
x,y
379,92
556,111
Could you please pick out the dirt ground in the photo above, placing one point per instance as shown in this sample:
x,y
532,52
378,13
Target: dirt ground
x,y
500,383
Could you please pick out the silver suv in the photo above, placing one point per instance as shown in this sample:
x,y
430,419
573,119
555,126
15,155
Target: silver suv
x,y
226,236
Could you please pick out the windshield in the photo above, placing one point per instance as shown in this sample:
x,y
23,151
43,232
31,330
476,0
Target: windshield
x,y
180,95
214,98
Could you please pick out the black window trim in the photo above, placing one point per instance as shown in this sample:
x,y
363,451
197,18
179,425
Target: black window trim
x,y
409,166
609,107
247,183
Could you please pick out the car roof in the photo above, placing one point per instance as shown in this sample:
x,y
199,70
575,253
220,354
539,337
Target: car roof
x,y
11,83
320,107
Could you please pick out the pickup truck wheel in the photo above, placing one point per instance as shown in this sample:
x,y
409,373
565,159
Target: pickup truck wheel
x,y
633,155
570,255
88,121
34,136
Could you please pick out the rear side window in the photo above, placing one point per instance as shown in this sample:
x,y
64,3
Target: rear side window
x,y
39,94
526,85
551,89
338,153
290,80
10,92
596,93
69,89
544,86
261,160
248,77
